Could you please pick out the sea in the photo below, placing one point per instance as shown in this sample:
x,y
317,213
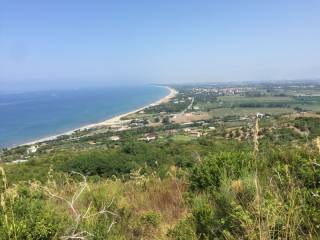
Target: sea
x,y
32,115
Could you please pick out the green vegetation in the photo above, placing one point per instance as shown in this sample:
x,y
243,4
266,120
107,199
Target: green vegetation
x,y
232,176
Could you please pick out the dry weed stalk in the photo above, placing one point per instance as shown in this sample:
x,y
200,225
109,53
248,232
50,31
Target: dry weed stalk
x,y
139,179
9,194
78,216
173,174
256,181
256,137
2,196
318,143
315,164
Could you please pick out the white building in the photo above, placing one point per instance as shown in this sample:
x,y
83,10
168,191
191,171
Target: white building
x,y
260,115
114,138
32,149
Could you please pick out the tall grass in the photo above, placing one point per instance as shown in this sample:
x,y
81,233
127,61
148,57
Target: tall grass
x,y
280,200
7,198
256,179
144,207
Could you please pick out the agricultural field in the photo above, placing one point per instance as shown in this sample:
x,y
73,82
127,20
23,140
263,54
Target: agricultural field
x,y
223,112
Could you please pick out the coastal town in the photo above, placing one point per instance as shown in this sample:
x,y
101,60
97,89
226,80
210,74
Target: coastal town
x,y
187,112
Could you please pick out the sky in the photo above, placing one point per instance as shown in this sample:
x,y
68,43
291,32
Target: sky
x,y
65,42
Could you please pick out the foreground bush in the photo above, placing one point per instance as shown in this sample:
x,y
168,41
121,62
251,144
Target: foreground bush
x,y
275,198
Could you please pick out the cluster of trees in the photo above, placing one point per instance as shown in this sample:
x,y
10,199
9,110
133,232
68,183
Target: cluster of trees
x,y
205,97
168,108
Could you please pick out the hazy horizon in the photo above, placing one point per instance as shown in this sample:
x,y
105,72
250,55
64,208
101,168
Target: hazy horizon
x,y
80,43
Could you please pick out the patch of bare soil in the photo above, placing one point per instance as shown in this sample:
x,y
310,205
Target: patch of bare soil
x,y
190,117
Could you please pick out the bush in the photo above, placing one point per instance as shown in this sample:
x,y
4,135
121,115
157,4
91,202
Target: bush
x,y
28,216
100,163
146,225
150,219
219,215
184,230
207,175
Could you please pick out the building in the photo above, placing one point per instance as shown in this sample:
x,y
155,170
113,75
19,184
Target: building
x,y
18,161
148,137
260,115
32,149
195,133
114,138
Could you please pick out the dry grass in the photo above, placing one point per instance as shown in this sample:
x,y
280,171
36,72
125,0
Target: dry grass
x,y
7,198
237,186
317,141
124,204
284,205
69,197
159,196
134,198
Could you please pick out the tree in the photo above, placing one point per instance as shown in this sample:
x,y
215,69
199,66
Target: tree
x,y
166,120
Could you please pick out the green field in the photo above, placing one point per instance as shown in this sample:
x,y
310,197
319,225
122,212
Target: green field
x,y
248,102
222,112
243,99
181,138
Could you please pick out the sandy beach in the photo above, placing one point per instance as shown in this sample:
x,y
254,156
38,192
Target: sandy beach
x,y
108,122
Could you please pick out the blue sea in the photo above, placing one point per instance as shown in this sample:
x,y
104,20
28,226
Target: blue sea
x,y
28,116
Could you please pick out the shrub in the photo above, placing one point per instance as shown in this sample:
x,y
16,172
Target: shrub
x,y
150,219
207,175
184,230
28,216
146,225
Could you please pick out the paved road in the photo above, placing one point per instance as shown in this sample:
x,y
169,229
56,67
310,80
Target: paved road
x,y
186,109
189,107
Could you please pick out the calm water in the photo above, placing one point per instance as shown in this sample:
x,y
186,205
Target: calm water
x,y
32,115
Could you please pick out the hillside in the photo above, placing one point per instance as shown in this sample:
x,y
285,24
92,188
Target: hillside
x,y
220,161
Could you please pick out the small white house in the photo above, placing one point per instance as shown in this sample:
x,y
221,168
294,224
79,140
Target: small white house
x,y
18,161
114,138
150,138
260,115
32,149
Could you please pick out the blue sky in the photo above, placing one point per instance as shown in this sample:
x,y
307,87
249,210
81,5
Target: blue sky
x,y
73,41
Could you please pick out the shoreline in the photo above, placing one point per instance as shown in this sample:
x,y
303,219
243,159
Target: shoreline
x,y
113,120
